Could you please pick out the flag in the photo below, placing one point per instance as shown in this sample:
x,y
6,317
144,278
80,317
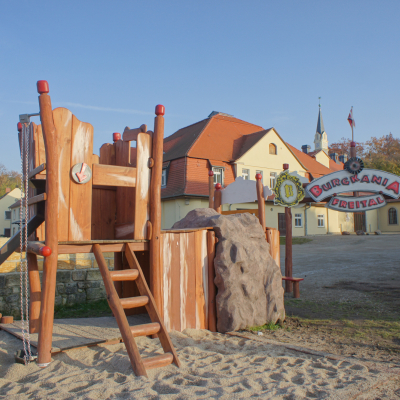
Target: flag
x,y
351,119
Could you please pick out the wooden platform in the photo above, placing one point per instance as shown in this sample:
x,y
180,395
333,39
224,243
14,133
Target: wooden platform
x,y
79,332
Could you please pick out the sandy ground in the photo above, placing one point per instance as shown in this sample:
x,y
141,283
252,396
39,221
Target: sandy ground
x,y
283,364
213,366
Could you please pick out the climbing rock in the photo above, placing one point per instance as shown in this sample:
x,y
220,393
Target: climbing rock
x,y
249,281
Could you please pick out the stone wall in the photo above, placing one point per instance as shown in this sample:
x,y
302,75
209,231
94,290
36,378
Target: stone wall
x,y
78,280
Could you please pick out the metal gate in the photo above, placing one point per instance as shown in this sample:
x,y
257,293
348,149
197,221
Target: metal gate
x,y
282,224
359,221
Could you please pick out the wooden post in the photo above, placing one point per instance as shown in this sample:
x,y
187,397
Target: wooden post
x,y
217,198
272,236
35,293
288,249
260,200
212,290
210,188
155,210
51,227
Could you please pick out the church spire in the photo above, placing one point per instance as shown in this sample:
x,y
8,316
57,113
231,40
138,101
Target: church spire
x,y
321,138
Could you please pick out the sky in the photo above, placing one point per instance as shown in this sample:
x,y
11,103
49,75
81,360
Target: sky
x,y
265,62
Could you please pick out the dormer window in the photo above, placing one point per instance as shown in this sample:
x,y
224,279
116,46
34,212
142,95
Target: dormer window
x,y
218,175
164,178
272,149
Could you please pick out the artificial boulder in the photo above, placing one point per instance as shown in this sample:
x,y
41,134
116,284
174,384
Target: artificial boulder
x,y
249,281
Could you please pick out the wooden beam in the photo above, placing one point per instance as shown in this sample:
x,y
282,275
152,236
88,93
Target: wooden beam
x,y
112,175
37,199
131,134
288,249
35,292
212,290
37,170
105,248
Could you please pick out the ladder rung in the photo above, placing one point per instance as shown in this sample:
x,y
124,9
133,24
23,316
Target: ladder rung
x,y
158,361
37,199
145,329
124,275
133,302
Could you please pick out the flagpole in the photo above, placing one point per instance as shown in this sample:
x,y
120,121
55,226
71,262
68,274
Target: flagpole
x,y
352,144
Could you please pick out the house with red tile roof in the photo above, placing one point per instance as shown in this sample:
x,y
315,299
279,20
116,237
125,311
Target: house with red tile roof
x,y
231,147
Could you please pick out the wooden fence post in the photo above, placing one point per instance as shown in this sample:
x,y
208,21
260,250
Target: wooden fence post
x,y
210,188
51,227
260,200
155,209
217,198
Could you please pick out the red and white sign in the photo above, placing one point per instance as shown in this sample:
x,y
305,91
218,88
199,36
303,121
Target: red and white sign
x,y
352,204
368,180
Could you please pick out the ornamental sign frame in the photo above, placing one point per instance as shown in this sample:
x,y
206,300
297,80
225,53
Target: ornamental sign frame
x,y
368,180
288,190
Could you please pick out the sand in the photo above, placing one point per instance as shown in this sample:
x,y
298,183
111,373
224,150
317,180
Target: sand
x,y
214,366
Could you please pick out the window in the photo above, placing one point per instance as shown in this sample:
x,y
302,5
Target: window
x,y
218,175
164,178
7,214
13,215
321,221
298,222
245,174
272,180
7,232
272,148
262,176
392,216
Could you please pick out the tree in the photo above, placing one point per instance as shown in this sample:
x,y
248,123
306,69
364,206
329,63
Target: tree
x,y
343,147
8,179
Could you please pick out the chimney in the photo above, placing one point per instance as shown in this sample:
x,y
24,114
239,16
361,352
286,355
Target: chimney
x,y
306,148
343,158
8,190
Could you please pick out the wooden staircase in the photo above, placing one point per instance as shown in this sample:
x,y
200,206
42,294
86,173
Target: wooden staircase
x,y
118,306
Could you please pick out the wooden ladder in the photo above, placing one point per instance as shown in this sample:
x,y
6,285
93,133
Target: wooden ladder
x,y
118,305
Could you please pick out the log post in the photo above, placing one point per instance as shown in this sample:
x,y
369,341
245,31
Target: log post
x,y
212,290
260,200
51,227
34,292
155,210
217,198
288,249
210,188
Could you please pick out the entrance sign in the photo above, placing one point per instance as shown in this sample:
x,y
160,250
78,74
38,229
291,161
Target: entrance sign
x,y
353,204
368,180
288,190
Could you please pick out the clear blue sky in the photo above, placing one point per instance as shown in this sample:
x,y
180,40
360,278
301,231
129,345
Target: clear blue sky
x,y
266,62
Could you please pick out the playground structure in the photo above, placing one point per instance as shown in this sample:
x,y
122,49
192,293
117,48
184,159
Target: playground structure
x,y
84,203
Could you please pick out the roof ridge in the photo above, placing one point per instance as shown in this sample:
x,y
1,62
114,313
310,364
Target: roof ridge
x,y
240,121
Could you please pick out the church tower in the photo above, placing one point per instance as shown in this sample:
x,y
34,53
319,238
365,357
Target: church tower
x,y
321,138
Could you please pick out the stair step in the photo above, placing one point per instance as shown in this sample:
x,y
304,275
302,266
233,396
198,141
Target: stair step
x,y
158,361
145,329
133,302
124,275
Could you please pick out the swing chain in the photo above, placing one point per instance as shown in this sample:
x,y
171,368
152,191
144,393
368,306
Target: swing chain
x,y
24,243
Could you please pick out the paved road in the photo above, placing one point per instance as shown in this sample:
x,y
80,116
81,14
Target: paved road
x,y
335,260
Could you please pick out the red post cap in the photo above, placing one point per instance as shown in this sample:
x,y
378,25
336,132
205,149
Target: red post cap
x,y
42,87
116,136
218,186
210,172
19,127
352,144
258,177
285,167
45,251
160,109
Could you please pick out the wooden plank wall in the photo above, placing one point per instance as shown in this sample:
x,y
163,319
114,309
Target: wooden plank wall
x,y
185,280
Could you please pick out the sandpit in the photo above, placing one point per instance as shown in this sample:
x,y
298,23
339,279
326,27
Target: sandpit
x,y
213,366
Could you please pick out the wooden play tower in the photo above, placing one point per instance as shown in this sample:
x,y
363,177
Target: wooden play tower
x,y
83,203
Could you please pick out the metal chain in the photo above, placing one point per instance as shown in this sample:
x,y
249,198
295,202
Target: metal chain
x,y
24,242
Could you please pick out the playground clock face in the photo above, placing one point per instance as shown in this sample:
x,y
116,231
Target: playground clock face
x,y
288,190
81,173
